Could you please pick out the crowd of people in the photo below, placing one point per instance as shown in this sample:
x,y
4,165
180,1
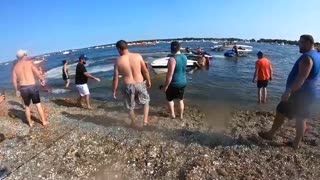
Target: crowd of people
x,y
295,103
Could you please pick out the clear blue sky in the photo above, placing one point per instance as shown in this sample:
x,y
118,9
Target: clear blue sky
x,y
43,26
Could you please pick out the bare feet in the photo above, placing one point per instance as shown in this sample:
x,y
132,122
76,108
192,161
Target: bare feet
x,y
31,123
45,123
90,108
292,144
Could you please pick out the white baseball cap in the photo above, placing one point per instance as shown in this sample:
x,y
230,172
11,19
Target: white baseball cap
x,y
21,53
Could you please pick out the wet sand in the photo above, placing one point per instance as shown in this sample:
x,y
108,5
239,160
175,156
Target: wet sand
x,y
101,144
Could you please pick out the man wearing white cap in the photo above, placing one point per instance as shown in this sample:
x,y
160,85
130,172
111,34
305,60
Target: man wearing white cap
x,y
24,81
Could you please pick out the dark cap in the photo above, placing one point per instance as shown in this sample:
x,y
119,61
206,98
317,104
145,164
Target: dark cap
x,y
259,53
175,46
308,38
83,56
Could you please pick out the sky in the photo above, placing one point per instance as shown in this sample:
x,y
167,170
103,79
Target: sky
x,y
43,26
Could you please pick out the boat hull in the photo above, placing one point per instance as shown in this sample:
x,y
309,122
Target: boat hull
x,y
161,65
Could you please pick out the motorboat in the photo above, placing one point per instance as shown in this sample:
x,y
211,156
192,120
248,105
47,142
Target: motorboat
x,y
66,52
241,48
161,65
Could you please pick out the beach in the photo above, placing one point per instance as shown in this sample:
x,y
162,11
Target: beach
x,y
80,144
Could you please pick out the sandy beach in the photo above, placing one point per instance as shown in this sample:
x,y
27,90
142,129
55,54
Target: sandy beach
x,y
100,144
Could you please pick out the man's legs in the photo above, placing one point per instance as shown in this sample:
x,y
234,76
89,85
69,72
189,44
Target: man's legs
x,y
88,101
300,129
132,116
41,114
277,123
264,95
181,102
80,101
259,95
28,115
67,83
171,108
146,113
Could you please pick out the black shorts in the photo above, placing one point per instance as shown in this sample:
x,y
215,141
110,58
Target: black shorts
x,y
65,77
175,93
298,106
262,84
29,93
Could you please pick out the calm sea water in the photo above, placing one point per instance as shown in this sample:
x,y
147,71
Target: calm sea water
x,y
228,82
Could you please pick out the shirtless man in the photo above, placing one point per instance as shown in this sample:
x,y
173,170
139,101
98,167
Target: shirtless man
x,y
133,69
24,81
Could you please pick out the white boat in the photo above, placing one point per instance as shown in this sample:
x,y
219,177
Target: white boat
x,y
66,52
161,65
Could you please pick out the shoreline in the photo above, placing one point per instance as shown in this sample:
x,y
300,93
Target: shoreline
x,y
79,144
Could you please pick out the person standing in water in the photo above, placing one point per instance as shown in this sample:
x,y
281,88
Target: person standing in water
x,y
300,92
65,73
134,71
176,79
262,75
24,81
81,80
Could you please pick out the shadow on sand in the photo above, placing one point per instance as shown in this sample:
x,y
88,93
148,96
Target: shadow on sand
x,y
15,103
20,114
97,119
66,102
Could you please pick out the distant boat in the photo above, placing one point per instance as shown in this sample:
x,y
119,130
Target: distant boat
x,y
282,44
66,52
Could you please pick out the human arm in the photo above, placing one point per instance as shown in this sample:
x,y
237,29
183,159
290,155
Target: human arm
x,y
305,67
15,82
271,72
145,72
65,69
171,67
88,75
255,74
83,70
115,80
36,72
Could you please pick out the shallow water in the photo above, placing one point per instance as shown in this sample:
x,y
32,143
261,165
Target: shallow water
x,y
226,84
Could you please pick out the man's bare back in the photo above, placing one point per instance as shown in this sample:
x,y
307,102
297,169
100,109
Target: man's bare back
x,y
24,72
130,66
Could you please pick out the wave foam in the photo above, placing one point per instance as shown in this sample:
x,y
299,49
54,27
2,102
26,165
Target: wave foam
x,y
56,73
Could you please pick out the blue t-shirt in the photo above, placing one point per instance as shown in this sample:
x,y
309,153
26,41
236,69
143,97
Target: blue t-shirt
x,y
310,83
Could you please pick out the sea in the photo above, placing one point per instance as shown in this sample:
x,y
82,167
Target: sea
x,y
226,85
